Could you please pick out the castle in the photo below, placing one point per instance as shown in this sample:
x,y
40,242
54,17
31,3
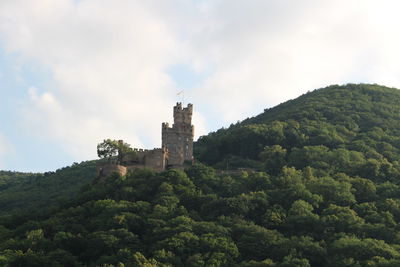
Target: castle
x,y
176,148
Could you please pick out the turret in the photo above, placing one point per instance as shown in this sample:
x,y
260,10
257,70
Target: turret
x,y
183,115
178,139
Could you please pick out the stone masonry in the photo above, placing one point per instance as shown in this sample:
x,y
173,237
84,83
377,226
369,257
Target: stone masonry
x,y
176,150
178,139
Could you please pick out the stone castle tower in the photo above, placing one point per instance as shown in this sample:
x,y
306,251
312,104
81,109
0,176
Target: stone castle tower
x,y
176,149
178,139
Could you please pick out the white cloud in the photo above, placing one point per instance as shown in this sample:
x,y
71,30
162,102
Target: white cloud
x,y
265,52
108,59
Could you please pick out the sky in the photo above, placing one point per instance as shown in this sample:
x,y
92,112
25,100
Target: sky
x,y
75,72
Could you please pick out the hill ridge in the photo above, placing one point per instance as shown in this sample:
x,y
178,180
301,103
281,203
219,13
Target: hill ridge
x,y
324,191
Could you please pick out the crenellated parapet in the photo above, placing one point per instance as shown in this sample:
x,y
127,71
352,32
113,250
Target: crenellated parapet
x,y
179,138
176,148
183,115
154,150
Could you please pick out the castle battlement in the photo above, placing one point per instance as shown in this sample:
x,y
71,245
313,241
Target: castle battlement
x,y
158,149
179,138
176,147
140,150
179,107
183,115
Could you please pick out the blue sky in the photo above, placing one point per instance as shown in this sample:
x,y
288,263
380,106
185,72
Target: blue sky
x,y
26,152
75,72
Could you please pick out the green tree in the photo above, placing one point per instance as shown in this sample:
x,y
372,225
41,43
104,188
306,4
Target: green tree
x,y
107,149
110,148
301,217
274,158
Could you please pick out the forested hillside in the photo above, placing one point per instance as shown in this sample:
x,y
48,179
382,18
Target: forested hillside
x,y
33,192
9,178
349,127
314,181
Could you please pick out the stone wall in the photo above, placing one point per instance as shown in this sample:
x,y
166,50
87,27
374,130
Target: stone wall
x,y
157,159
178,139
183,115
177,147
154,159
106,169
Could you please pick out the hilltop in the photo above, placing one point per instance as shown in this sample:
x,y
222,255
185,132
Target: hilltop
x,y
314,181
360,119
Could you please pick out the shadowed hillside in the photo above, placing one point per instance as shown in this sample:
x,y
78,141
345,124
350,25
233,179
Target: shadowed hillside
x,y
34,192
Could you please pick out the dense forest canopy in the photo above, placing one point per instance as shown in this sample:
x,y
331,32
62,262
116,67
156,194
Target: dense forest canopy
x,y
314,181
33,192
350,119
